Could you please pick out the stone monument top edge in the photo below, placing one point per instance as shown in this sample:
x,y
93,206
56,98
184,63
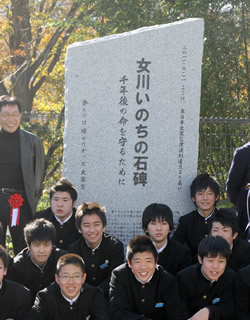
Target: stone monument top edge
x,y
139,30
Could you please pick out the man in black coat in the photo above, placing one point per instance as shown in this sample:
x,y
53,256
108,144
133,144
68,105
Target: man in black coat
x,y
15,300
35,266
242,294
100,251
140,289
236,185
69,297
157,222
61,213
21,171
207,287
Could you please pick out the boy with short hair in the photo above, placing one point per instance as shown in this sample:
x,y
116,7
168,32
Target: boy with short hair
x,y
34,267
193,227
140,289
225,223
100,251
157,222
61,213
242,294
207,287
15,299
69,297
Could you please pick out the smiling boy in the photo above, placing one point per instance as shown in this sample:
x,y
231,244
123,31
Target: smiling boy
x,y
193,227
100,251
15,299
34,267
140,289
225,223
69,297
61,213
157,222
207,287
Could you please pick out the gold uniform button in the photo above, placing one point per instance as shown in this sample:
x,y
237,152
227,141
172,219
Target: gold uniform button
x,y
61,241
206,235
142,300
61,227
92,265
93,253
143,286
204,297
93,278
71,308
205,222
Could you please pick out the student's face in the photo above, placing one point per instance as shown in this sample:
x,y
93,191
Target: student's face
x,y
205,201
92,229
40,251
158,231
224,231
143,265
3,270
62,205
70,280
10,118
213,268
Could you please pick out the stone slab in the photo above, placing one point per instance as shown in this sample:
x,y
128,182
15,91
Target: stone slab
x,y
132,120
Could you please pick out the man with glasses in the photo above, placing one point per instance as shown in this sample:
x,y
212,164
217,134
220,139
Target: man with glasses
x,y
69,297
21,171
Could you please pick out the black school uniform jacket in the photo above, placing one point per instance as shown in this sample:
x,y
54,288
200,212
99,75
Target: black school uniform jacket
x,y
100,263
242,294
157,300
175,257
24,271
191,229
240,255
15,301
66,233
198,292
51,305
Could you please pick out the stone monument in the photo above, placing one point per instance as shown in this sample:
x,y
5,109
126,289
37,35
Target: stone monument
x,y
132,120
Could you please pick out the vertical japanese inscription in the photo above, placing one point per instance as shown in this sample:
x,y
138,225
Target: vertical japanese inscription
x,y
184,53
123,104
83,135
141,115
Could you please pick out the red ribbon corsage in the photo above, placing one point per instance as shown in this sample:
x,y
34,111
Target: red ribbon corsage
x,y
15,201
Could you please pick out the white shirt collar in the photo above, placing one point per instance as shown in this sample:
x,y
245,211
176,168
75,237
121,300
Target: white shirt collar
x,y
211,281
73,300
163,247
95,247
207,216
62,222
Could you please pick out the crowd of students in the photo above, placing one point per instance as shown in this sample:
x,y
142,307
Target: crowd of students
x,y
72,269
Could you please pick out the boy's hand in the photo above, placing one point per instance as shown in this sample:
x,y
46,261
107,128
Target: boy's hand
x,y
203,314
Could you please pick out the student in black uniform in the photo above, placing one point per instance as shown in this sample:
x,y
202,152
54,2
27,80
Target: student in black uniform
x,y
242,294
207,287
193,227
69,297
140,289
100,251
61,213
15,299
34,267
157,222
225,223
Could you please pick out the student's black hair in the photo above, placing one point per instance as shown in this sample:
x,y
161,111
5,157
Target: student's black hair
x,y
70,258
157,211
202,182
4,256
63,185
88,208
227,218
39,230
8,100
213,246
141,244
